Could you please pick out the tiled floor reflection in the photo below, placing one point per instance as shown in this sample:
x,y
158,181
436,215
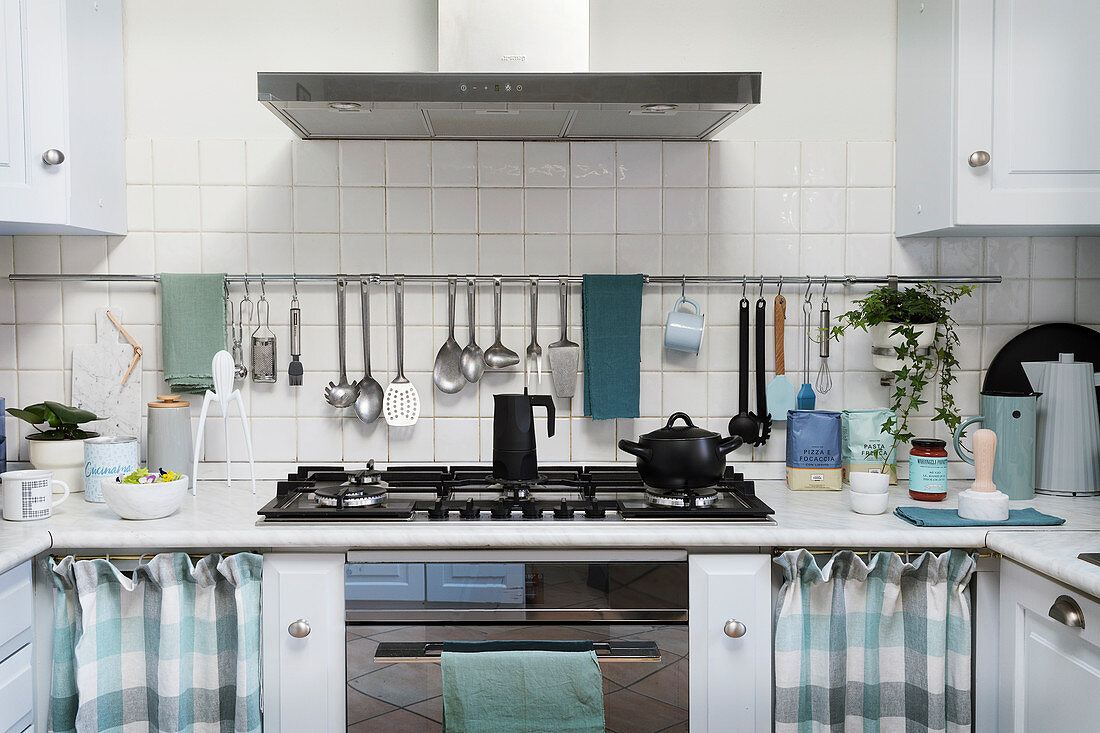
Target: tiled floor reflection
x,y
639,697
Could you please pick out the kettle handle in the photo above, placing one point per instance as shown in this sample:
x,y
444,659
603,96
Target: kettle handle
x,y
965,453
545,400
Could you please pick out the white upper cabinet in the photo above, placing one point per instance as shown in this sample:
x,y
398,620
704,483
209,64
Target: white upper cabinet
x,y
997,109
61,117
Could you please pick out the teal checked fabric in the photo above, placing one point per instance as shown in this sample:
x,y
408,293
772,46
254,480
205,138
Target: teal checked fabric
x,y
175,648
879,646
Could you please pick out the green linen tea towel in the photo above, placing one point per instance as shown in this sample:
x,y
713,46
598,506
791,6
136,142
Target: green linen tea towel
x,y
530,691
192,313
924,517
612,309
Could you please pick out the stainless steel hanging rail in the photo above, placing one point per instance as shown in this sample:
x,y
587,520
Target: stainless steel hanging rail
x,y
792,280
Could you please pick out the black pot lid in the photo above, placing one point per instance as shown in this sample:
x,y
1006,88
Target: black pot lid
x,y
680,432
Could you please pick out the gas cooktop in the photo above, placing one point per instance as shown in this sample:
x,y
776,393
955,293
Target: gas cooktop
x,y
471,493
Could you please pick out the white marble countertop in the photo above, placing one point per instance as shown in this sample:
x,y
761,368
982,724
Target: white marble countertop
x,y
220,518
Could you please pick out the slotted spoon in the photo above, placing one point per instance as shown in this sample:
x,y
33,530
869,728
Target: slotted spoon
x,y
401,404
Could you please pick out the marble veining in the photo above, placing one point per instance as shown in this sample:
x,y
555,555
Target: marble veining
x,y
97,380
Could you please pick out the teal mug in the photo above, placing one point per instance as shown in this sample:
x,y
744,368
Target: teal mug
x,y
1011,415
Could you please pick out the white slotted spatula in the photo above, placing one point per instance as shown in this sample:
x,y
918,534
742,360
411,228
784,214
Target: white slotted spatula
x,y
401,404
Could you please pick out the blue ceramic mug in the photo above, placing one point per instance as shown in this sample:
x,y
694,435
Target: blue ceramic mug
x,y
1011,415
684,330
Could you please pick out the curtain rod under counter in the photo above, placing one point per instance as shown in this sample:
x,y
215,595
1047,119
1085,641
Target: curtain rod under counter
x,y
757,280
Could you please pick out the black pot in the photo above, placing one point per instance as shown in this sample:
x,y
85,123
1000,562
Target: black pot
x,y
681,456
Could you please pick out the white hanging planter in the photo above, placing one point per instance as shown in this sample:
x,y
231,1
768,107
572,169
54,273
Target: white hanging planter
x,y
884,341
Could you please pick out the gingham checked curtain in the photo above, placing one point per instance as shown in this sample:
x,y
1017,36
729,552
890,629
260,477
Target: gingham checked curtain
x,y
177,648
878,647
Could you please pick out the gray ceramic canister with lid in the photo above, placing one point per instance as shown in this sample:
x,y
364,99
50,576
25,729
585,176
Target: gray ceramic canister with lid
x,y
168,443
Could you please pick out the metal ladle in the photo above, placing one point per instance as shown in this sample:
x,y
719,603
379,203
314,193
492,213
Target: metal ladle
x,y
368,405
499,356
473,361
447,372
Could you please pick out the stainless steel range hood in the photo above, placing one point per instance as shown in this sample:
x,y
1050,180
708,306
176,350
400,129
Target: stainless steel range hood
x,y
511,70
502,106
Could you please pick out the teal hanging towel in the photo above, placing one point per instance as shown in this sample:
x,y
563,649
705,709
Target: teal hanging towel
x,y
192,314
522,687
176,647
612,312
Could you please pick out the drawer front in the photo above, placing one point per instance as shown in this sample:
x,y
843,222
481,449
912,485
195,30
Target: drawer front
x,y
16,609
16,691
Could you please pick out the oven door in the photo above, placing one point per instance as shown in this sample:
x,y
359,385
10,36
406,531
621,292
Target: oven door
x,y
415,604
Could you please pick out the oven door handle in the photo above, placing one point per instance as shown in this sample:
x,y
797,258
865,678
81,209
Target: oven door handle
x,y
389,652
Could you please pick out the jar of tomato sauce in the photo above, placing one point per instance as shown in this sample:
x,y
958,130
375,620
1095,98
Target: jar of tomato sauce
x,y
928,469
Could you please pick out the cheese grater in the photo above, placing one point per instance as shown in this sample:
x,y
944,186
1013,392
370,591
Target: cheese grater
x,y
263,342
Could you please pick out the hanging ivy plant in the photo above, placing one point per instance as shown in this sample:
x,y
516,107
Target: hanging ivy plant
x,y
920,305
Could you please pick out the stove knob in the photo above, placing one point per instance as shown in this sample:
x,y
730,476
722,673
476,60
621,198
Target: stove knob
x,y
531,510
501,510
437,510
564,511
469,511
594,510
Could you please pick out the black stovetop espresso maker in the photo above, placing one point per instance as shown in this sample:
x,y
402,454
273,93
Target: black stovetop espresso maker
x,y
514,459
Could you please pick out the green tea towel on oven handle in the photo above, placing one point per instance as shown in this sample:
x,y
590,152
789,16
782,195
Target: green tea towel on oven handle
x,y
192,317
611,306
521,691
923,517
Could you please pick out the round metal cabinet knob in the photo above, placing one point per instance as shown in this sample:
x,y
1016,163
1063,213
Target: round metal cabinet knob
x,y
978,159
53,156
299,629
735,629
1067,611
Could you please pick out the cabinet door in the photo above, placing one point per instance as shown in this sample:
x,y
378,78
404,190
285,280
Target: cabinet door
x,y
730,678
1029,95
1050,672
32,91
303,683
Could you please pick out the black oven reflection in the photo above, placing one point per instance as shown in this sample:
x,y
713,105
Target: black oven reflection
x,y
419,603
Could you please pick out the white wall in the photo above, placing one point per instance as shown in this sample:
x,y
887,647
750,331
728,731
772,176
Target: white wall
x,y
828,66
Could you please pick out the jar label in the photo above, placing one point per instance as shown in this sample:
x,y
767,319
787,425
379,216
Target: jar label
x,y
928,474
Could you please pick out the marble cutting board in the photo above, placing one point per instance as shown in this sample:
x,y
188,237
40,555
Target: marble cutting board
x,y
97,379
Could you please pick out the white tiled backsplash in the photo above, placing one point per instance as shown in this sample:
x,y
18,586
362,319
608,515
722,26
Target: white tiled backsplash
x,y
729,208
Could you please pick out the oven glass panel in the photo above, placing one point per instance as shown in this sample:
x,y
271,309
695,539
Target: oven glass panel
x,y
639,697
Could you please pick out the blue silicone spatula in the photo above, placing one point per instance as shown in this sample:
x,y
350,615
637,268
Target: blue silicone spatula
x,y
807,400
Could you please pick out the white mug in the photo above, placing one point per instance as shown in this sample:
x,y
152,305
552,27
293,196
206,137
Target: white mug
x,y
28,494
683,330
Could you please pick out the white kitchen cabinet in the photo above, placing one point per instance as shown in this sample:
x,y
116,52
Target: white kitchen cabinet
x,y
384,581
303,642
730,646
1049,670
996,117
62,167
16,649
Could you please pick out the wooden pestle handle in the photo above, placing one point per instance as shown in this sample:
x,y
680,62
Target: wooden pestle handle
x,y
985,449
780,323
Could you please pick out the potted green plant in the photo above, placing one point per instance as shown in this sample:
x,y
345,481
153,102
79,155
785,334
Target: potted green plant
x,y
913,337
59,445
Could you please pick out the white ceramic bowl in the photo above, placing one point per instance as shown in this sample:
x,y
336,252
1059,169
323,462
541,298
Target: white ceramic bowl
x,y
144,501
864,482
868,503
